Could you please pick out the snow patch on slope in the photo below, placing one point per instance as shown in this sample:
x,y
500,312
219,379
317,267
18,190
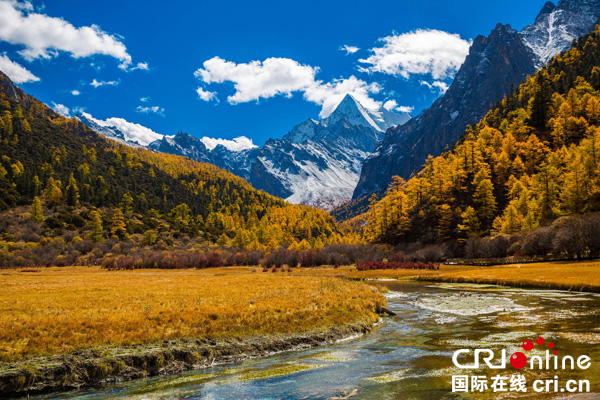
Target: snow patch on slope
x,y
324,186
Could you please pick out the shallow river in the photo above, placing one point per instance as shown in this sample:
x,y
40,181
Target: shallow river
x,y
408,356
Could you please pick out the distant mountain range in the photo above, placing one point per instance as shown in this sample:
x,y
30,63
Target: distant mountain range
x,y
317,163
494,66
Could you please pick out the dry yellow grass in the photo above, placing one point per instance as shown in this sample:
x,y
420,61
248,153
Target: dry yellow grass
x,y
351,272
584,275
58,310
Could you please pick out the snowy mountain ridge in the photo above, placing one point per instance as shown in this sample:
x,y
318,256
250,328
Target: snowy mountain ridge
x,y
317,163
557,26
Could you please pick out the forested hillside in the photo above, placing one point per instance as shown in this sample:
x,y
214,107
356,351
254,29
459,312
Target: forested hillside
x,y
533,158
72,179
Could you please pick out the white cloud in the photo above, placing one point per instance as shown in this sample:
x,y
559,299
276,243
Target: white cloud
x,y
439,86
237,144
256,79
282,76
44,36
151,109
128,68
16,72
131,131
98,84
205,95
61,109
75,92
392,105
97,66
420,52
142,65
405,109
349,49
144,99
25,5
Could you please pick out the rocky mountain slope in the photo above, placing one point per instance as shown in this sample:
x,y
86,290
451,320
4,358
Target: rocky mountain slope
x,y
494,65
556,27
530,162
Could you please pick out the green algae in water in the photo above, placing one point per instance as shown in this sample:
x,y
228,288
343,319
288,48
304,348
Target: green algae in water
x,y
192,380
276,372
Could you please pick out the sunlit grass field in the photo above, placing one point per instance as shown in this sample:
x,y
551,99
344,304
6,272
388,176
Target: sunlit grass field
x,y
584,275
59,310
577,276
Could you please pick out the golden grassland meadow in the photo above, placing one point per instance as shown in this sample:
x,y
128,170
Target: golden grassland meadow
x,y
60,310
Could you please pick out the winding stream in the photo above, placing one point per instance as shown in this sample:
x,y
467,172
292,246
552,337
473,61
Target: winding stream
x,y
406,357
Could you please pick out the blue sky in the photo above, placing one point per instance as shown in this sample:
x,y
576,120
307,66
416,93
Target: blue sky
x,y
148,59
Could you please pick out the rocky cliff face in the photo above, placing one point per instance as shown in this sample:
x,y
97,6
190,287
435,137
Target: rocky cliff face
x,y
494,64
556,27
13,92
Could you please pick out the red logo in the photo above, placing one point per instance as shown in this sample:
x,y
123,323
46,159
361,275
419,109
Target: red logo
x,y
519,360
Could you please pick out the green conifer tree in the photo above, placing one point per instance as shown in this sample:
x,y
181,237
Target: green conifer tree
x,y
36,210
95,225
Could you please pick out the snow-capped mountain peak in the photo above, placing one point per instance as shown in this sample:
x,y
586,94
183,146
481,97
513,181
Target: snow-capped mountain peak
x,y
354,113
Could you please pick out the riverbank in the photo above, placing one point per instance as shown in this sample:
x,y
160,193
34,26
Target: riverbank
x,y
103,365
71,327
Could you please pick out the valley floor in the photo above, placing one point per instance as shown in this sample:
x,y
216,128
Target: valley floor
x,y
69,327
75,326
